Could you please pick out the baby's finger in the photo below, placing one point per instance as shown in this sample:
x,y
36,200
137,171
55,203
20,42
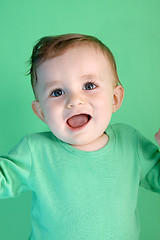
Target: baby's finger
x,y
157,137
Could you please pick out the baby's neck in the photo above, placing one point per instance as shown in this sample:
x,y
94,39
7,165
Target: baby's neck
x,y
95,145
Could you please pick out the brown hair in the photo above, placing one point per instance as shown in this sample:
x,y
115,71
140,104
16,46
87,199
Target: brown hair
x,y
50,47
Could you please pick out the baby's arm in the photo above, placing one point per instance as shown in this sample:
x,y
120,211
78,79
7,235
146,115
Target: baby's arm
x,y
157,137
15,170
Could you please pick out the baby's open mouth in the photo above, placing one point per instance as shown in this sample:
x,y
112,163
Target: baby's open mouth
x,y
78,120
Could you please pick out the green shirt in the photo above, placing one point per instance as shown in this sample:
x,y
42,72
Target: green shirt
x,y
80,195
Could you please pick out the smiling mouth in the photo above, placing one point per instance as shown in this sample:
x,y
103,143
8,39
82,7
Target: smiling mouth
x,y
78,120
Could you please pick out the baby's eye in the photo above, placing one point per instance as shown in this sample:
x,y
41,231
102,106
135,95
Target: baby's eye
x,y
89,86
57,93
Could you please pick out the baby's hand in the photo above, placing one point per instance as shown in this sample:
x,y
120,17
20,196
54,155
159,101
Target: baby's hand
x,y
157,137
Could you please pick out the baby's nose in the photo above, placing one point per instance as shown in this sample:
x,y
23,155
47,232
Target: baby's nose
x,y
75,100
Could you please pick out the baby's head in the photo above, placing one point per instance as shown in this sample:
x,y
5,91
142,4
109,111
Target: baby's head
x,y
76,85
52,46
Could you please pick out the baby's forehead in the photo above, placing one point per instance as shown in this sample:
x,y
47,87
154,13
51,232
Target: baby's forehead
x,y
80,60
78,51
74,63
80,46
84,54
83,65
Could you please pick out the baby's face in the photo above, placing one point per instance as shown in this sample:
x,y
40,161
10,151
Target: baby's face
x,y
76,95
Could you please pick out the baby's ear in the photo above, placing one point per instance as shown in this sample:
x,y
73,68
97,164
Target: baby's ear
x,y
37,110
117,97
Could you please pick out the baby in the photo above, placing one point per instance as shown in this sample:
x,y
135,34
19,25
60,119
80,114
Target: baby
x,y
76,90
84,173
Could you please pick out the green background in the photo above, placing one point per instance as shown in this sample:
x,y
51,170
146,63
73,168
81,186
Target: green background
x,y
131,29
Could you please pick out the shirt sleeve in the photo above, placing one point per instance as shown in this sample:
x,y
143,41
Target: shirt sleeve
x,y
149,157
15,170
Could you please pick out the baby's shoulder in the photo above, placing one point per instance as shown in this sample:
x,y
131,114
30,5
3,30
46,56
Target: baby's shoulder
x,y
40,138
125,133
123,129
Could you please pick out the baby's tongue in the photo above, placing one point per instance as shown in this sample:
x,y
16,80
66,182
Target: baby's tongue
x,y
77,120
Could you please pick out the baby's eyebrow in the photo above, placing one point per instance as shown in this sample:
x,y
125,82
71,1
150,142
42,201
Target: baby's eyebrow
x,y
55,83
88,76
50,84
